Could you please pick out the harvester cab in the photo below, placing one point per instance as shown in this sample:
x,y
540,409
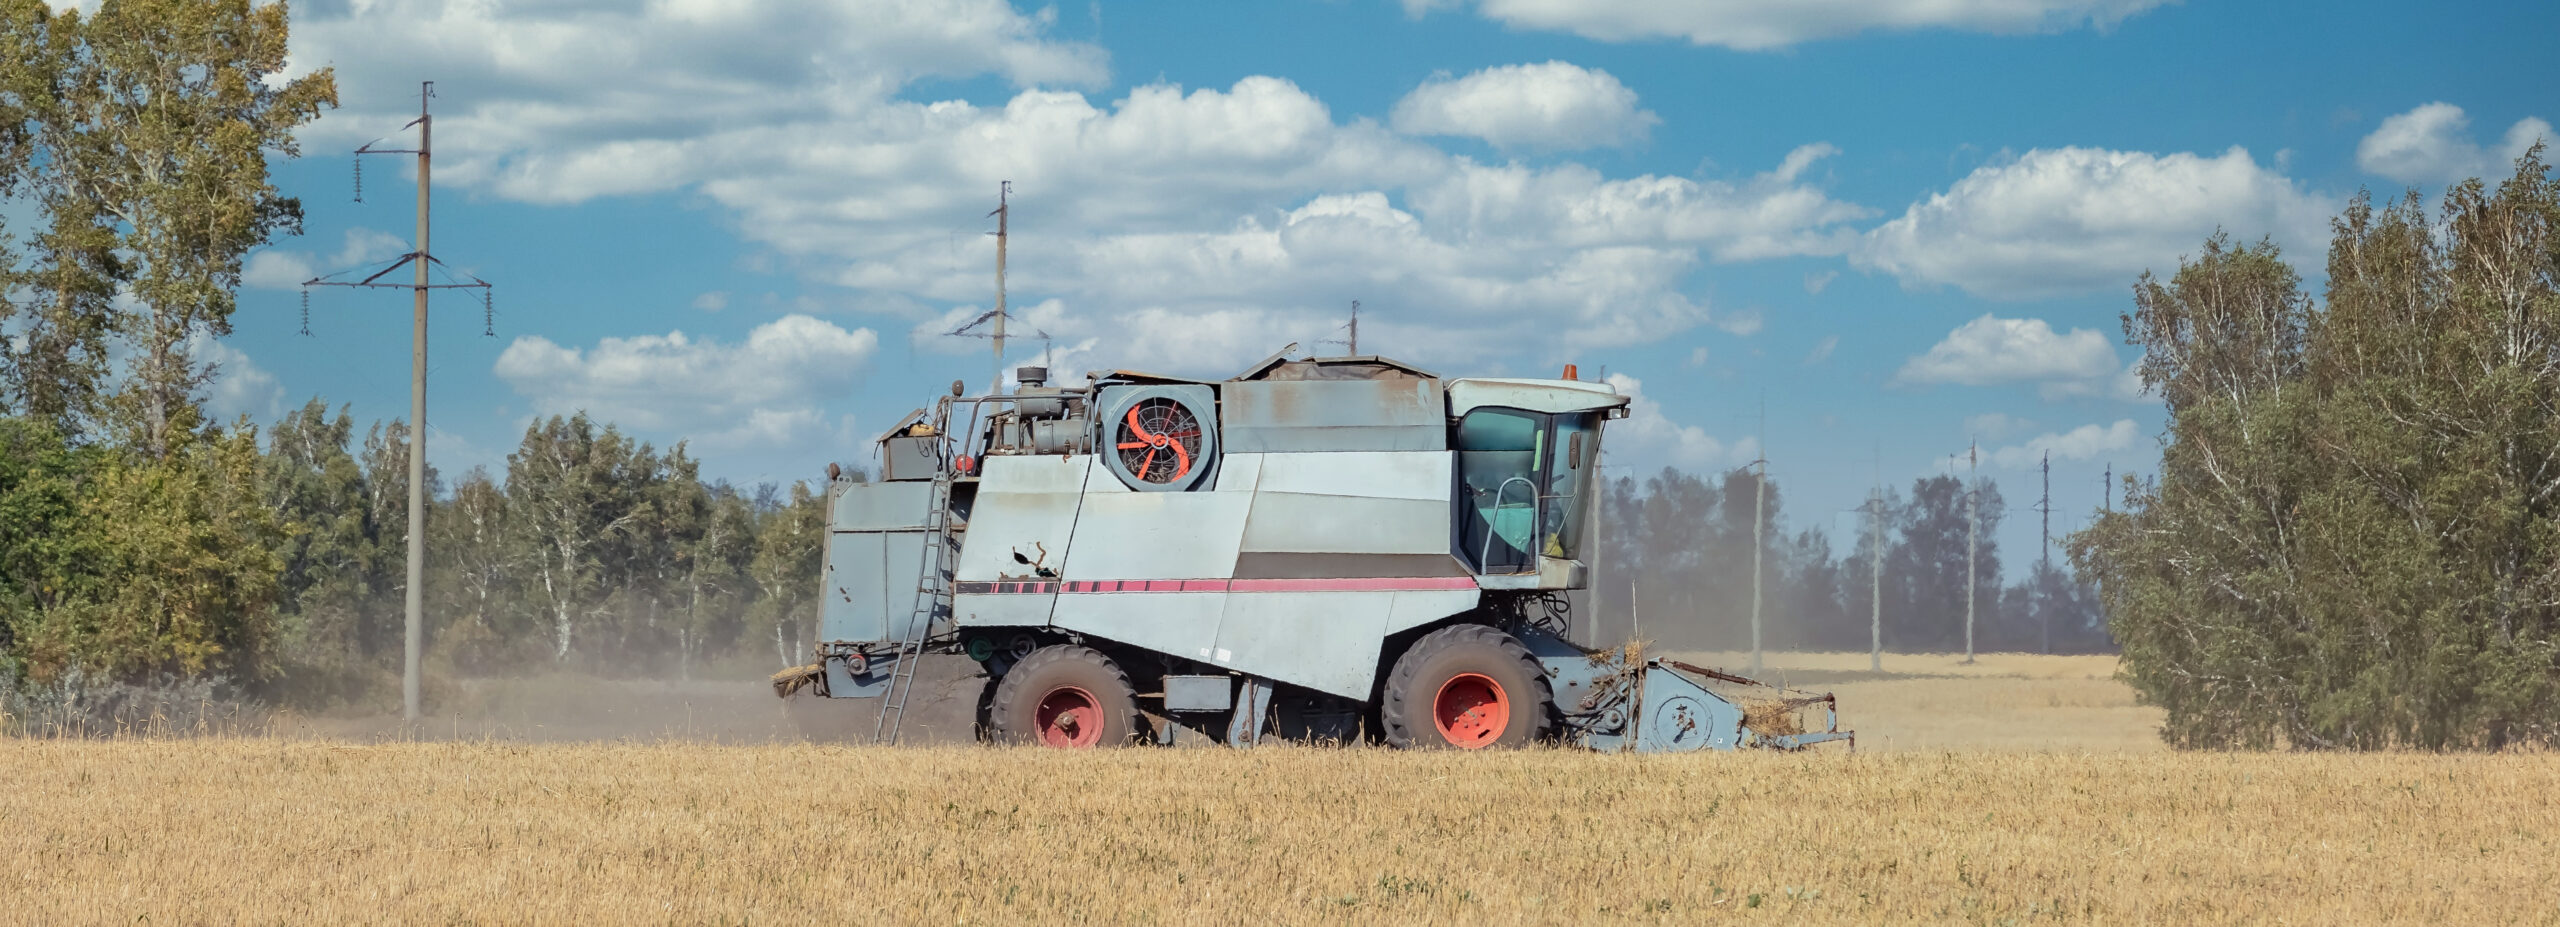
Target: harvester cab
x,y
1342,547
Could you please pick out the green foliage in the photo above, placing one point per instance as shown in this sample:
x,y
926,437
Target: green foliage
x,y
1677,549
144,130
152,565
2354,537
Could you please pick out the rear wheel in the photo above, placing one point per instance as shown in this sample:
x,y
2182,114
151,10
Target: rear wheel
x,y
1064,696
1467,687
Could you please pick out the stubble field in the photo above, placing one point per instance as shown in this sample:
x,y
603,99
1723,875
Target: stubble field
x,y
2063,814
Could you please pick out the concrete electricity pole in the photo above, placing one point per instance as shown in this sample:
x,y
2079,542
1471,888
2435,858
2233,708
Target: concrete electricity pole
x,y
2044,507
413,630
1759,527
1875,572
1004,215
1972,533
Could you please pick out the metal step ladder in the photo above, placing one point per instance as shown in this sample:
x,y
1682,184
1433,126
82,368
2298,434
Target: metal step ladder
x,y
932,604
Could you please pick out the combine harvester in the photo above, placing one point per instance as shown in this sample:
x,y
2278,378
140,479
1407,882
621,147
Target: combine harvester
x,y
1324,548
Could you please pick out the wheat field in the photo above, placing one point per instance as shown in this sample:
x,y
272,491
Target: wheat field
x,y
291,829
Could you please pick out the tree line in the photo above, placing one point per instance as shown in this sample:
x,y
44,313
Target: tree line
x,y
2353,540
1675,555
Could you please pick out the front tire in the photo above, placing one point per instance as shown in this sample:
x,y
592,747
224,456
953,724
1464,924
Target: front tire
x,y
1467,687
1064,696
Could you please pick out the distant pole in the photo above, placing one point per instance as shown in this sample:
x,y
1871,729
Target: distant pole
x,y
1759,527
412,632
1003,214
1355,328
2107,489
1972,530
2044,507
1875,572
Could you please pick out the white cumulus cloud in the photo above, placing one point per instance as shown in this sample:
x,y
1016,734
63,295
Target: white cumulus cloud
x,y
2086,442
2072,220
1756,24
239,386
1990,350
780,378
1554,106
2433,144
1650,438
1187,229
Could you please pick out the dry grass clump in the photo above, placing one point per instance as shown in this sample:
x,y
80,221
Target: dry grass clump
x,y
264,830
1771,717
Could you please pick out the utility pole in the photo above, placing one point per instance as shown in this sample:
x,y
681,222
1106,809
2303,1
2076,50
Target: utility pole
x,y
1759,526
2044,613
1003,214
1355,328
1875,572
1972,531
413,633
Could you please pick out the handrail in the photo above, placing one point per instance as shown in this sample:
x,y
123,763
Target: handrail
x,y
1484,556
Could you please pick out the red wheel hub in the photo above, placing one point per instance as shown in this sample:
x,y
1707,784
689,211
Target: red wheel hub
x,y
1068,717
1471,711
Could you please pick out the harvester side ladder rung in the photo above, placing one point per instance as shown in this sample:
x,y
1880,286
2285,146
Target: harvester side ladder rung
x,y
933,594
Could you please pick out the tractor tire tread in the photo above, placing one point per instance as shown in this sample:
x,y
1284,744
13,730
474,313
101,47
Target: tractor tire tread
x,y
1005,720
1401,682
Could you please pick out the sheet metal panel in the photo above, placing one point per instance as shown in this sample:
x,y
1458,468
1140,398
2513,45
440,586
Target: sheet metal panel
x,y
1179,623
1326,641
880,506
1467,394
1011,610
1159,535
1239,472
1415,608
868,586
1023,503
1344,524
1333,415
1381,474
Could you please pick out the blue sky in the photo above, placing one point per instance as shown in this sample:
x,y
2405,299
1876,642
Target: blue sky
x,y
1904,225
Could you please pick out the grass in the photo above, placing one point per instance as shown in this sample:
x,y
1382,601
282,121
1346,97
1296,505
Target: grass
x,y
281,829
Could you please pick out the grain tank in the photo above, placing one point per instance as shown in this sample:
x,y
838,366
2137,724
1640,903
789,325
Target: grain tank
x,y
1340,547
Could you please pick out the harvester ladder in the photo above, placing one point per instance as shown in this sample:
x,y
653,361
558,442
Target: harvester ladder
x,y
933,600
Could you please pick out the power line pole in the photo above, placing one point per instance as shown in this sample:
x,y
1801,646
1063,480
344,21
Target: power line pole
x,y
1355,328
1875,572
1004,215
413,633
1972,531
1759,527
2044,611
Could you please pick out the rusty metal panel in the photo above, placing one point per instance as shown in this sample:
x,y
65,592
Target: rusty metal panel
x,y
1184,624
1326,641
1333,415
1159,535
1468,394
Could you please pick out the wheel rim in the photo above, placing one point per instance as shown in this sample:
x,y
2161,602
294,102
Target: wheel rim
x,y
1471,711
1068,717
